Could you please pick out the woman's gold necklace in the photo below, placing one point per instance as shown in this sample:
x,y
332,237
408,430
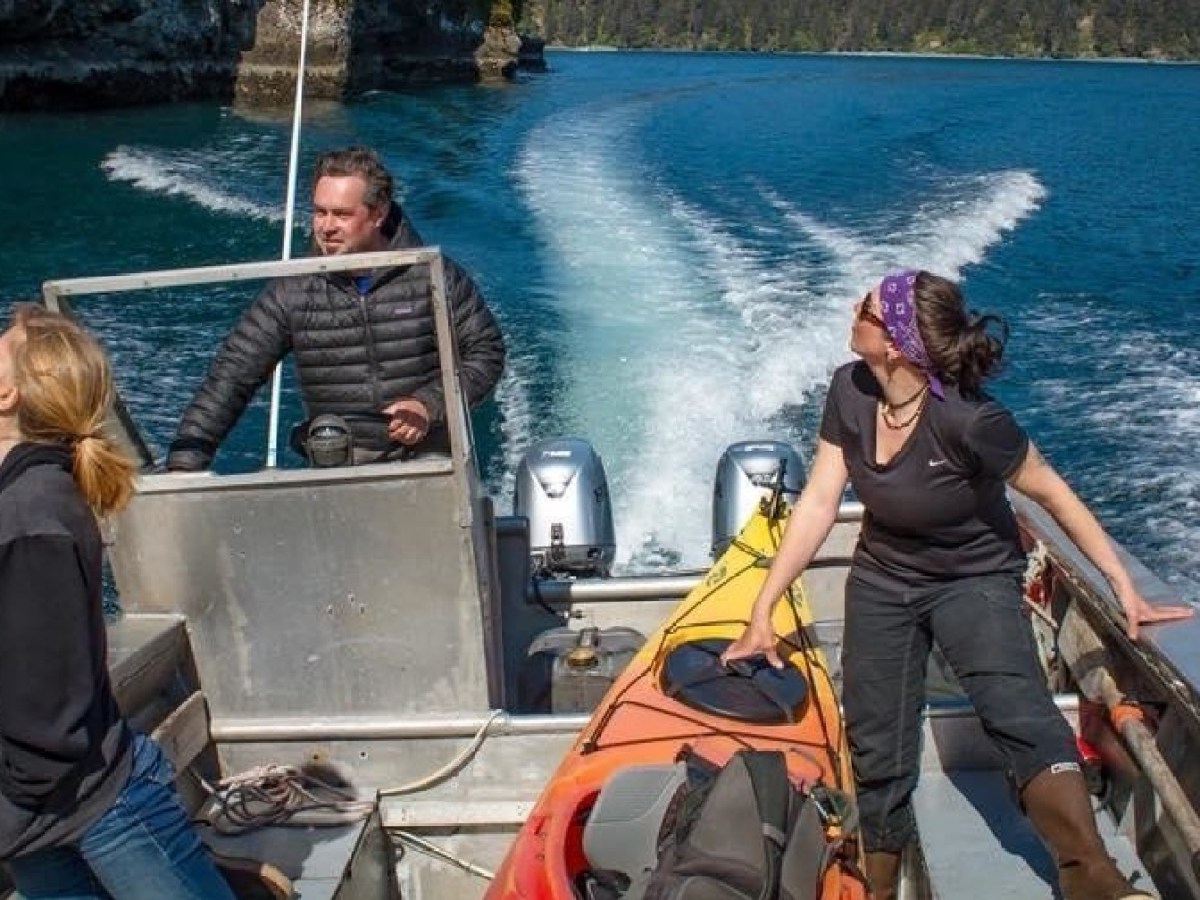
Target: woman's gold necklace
x,y
889,409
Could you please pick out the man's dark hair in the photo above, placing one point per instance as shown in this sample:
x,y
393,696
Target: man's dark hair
x,y
363,162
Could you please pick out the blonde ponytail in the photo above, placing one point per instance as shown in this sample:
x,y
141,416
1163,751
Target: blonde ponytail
x,y
65,389
104,473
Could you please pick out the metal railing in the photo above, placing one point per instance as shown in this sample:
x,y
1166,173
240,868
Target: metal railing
x,y
55,294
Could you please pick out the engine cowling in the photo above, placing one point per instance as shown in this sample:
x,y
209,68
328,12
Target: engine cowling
x,y
747,472
561,488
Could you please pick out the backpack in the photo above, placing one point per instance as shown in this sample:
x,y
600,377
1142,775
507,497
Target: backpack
x,y
745,832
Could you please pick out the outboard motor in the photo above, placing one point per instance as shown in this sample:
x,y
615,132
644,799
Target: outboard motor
x,y
747,472
562,490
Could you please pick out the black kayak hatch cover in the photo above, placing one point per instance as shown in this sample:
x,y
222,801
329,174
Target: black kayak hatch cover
x,y
748,690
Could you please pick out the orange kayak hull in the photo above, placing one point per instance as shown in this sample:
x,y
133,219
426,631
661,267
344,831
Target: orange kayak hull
x,y
637,724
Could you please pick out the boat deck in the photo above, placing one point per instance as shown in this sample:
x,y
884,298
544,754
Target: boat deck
x,y
974,840
966,817
315,859
969,826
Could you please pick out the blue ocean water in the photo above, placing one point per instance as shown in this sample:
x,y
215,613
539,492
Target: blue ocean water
x,y
672,242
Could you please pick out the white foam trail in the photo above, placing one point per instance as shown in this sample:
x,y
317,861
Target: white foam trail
x,y
970,215
655,371
797,333
680,338
943,235
1106,397
185,174
799,310
946,233
517,422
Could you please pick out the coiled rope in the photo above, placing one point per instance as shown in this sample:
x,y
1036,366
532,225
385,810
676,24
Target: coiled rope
x,y
288,795
279,795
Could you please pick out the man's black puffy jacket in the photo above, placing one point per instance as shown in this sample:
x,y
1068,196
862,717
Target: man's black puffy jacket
x,y
354,352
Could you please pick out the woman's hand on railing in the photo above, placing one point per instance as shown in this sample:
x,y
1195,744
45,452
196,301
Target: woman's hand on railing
x,y
1138,611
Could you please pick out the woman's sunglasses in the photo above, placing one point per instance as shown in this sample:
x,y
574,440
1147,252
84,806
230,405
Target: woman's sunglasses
x,y
865,314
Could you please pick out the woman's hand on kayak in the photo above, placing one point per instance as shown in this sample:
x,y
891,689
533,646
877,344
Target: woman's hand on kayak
x,y
759,637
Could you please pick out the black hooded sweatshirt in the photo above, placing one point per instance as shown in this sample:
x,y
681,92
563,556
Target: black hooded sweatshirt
x,y
64,747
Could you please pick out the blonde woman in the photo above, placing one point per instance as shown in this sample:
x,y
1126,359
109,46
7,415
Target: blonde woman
x,y
87,807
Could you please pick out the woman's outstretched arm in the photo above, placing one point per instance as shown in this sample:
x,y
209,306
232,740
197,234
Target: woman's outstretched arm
x,y
806,530
1037,479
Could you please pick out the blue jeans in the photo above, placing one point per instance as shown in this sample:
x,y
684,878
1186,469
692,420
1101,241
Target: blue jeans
x,y
980,627
143,848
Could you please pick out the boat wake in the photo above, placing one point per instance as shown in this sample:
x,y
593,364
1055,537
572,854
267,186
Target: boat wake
x,y
692,329
1107,396
686,329
193,174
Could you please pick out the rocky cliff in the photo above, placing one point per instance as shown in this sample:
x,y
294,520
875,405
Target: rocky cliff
x,y
72,54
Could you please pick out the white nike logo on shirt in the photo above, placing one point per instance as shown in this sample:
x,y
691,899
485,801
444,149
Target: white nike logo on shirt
x,y
937,462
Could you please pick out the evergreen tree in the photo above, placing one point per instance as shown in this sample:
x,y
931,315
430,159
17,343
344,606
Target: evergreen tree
x,y
1160,28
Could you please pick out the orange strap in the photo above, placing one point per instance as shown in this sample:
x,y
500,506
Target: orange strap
x,y
1124,712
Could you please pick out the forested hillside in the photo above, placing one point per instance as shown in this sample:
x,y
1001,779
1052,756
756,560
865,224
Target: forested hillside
x,y
1140,28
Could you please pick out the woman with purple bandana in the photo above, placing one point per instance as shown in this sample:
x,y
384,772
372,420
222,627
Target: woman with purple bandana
x,y
930,456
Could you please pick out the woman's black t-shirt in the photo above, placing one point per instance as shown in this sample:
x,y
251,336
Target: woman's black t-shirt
x,y
937,510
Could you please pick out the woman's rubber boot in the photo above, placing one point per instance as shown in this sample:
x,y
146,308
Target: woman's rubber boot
x,y
882,868
253,879
1059,806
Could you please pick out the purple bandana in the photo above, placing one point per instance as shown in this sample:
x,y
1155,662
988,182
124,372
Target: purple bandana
x,y
900,317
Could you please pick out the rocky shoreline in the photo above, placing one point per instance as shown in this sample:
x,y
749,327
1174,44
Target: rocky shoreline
x,y
58,55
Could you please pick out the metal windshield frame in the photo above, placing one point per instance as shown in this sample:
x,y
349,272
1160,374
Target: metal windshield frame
x,y
56,292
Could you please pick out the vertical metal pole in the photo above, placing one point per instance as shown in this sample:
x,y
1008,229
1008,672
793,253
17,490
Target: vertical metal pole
x,y
288,224
456,412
